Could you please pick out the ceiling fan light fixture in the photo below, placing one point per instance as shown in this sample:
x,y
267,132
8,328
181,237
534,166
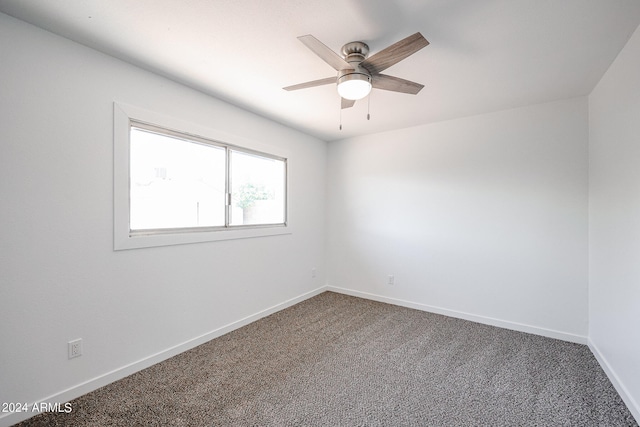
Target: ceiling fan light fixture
x,y
354,86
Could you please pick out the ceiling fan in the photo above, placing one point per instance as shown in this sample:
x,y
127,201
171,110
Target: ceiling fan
x,y
358,73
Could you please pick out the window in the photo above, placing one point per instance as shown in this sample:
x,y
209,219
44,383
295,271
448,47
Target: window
x,y
174,183
258,191
178,181
183,188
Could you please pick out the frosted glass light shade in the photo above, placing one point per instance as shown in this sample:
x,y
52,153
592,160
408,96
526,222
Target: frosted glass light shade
x,y
354,86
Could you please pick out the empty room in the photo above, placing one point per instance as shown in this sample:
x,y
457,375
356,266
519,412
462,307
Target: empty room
x,y
320,213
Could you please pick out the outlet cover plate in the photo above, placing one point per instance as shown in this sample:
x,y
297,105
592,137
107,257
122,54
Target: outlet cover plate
x,y
75,348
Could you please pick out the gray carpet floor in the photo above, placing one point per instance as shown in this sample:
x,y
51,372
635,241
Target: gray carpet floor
x,y
335,360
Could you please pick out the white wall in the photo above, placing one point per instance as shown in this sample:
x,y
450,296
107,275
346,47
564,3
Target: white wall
x,y
482,217
614,222
61,278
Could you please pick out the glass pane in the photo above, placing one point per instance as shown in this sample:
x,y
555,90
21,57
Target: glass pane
x,y
258,186
175,183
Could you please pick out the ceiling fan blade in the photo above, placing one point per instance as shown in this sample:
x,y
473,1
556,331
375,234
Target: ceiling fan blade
x,y
326,54
313,83
395,84
394,53
347,103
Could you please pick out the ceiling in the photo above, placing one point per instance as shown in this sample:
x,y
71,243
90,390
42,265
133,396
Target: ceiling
x,y
485,55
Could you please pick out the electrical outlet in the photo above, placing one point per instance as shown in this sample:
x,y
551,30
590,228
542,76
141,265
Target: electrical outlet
x,y
313,273
391,280
75,348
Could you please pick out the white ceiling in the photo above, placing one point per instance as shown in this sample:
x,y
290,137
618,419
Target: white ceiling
x,y
485,55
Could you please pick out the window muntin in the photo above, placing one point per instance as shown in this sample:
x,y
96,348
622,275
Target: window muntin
x,y
179,182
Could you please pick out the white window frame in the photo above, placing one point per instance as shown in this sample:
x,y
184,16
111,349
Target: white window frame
x,y
124,115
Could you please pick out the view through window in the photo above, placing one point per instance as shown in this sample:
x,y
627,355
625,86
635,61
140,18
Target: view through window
x,y
179,182
257,195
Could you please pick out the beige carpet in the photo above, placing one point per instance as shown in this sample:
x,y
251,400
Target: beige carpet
x,y
336,360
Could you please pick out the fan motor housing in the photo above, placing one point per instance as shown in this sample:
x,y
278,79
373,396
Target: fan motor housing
x,y
344,75
355,52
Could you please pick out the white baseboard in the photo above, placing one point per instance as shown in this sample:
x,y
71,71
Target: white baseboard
x,y
78,390
631,403
550,333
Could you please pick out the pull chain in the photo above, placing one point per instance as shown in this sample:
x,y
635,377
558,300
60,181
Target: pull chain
x,y
369,106
341,117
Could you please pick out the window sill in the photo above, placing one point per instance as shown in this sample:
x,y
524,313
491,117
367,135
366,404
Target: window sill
x,y
177,238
